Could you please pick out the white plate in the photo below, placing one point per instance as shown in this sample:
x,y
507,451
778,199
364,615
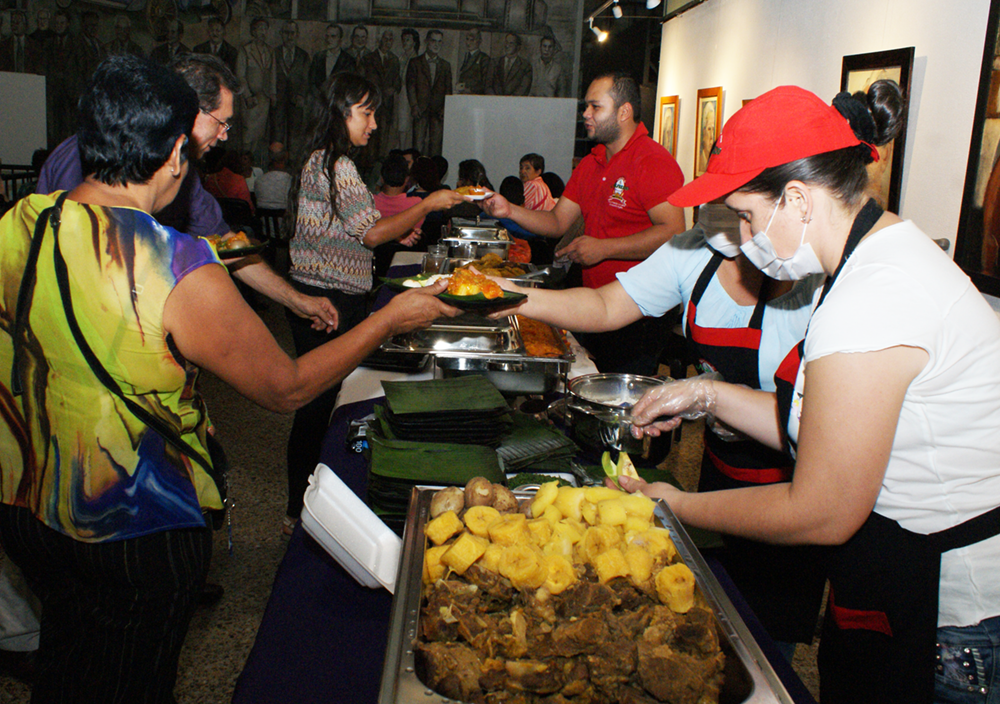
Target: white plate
x,y
482,196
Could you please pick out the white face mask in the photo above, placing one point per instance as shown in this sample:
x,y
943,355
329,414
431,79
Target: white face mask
x,y
760,251
722,242
722,229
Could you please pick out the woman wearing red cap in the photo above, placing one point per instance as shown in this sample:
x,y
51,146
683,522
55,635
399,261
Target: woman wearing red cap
x,y
891,405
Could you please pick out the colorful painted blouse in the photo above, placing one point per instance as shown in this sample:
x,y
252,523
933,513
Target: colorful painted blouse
x,y
70,450
328,250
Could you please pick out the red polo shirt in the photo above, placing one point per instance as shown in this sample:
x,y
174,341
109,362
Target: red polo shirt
x,y
615,196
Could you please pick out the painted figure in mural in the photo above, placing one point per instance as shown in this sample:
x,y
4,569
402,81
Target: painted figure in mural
x,y
290,88
512,72
173,46
256,71
428,81
547,79
403,137
122,44
217,44
359,44
60,87
381,67
17,53
43,26
474,76
89,51
330,60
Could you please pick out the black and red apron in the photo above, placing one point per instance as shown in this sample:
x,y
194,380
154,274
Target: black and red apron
x,y
878,641
783,585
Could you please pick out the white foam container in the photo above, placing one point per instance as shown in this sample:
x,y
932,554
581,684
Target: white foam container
x,y
350,531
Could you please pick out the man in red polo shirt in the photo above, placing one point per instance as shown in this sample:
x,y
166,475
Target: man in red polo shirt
x,y
621,190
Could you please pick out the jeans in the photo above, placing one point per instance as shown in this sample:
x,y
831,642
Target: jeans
x,y
968,664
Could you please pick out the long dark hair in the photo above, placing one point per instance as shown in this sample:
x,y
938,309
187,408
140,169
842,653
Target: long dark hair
x,y
876,117
343,91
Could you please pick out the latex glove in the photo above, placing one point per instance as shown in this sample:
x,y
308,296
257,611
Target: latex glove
x,y
662,408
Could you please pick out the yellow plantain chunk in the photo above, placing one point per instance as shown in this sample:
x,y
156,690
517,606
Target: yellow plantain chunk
x,y
464,551
434,569
610,564
443,527
544,497
675,587
478,519
510,529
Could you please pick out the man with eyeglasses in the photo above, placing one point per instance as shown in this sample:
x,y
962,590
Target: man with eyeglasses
x,y
194,211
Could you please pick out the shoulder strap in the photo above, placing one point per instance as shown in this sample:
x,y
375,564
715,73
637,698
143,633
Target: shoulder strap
x,y
154,423
27,290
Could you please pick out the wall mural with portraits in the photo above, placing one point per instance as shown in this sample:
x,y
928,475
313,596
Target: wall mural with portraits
x,y
416,51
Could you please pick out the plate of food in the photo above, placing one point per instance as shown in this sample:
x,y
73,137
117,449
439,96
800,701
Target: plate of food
x,y
475,192
239,245
466,290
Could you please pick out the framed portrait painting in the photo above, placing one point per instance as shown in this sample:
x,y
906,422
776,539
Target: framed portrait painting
x,y
978,239
668,123
858,72
708,123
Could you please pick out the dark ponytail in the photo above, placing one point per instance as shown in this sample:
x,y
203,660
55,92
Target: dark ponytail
x,y
876,117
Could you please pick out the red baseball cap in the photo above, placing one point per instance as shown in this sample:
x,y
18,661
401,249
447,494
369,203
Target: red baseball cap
x,y
781,126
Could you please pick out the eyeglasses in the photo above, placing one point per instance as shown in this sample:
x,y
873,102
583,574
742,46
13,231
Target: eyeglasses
x,y
225,125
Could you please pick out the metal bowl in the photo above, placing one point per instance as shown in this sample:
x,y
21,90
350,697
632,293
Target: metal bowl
x,y
598,413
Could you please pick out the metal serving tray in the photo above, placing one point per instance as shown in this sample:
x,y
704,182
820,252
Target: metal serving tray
x,y
463,334
749,678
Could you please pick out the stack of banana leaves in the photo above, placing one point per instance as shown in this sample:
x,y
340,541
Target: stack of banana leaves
x,y
435,432
535,446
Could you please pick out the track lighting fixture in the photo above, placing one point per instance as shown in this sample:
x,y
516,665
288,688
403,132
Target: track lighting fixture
x,y
616,10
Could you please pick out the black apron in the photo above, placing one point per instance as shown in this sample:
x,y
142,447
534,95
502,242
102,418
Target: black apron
x,y
783,585
878,641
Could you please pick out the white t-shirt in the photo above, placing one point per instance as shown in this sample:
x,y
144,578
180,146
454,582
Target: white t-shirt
x,y
272,190
669,275
899,288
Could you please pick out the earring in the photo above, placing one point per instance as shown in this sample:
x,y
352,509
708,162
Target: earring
x,y
805,220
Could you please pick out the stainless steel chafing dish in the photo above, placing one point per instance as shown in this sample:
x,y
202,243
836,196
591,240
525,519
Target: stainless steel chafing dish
x,y
472,344
749,678
471,239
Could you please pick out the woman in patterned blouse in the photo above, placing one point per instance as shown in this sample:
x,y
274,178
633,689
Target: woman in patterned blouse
x,y
336,229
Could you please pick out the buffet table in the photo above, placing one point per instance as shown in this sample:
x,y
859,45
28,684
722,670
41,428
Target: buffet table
x,y
323,636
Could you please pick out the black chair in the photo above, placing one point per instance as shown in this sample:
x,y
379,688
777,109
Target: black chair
x,y
274,230
238,215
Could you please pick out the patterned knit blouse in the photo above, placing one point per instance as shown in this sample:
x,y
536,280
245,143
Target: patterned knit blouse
x,y
327,251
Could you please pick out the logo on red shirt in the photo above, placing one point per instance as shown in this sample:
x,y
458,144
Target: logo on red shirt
x,y
617,197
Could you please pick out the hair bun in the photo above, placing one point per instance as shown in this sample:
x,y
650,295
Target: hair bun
x,y
856,112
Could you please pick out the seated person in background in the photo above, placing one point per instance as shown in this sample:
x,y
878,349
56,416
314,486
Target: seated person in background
x,y
392,200
555,184
272,188
540,249
424,173
442,168
250,172
536,192
471,172
223,178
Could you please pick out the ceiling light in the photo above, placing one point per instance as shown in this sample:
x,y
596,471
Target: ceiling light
x,y
616,10
650,4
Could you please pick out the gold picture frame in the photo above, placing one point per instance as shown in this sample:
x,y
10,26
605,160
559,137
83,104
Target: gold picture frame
x,y
708,124
668,123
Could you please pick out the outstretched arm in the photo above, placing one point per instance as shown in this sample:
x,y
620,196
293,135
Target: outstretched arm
x,y
214,328
255,273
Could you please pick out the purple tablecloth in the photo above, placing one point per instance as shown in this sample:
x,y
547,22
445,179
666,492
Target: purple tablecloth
x,y
322,639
